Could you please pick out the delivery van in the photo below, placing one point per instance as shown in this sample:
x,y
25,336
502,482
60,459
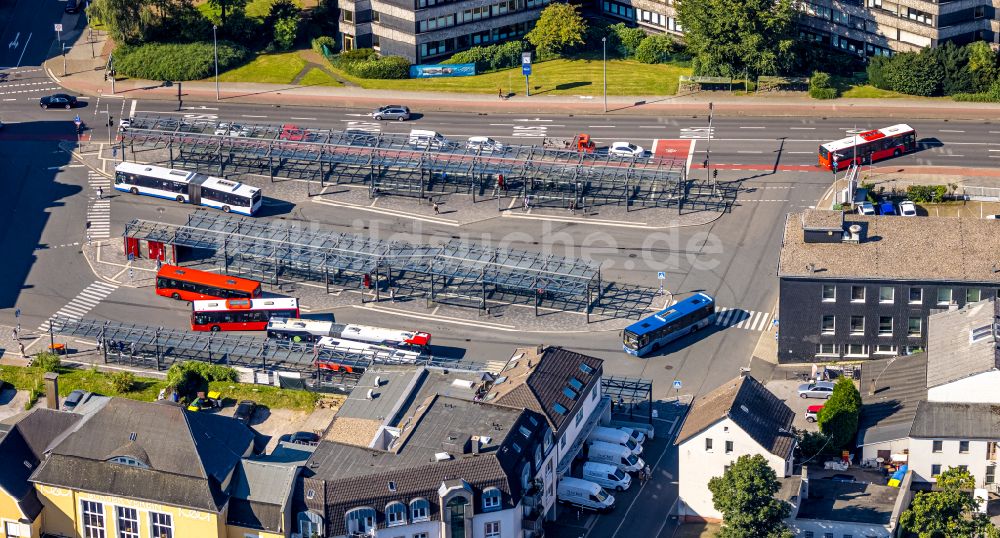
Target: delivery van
x,y
635,434
584,494
606,475
422,138
616,436
614,454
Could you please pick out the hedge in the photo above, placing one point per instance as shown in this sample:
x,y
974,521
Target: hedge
x,y
492,57
820,87
366,63
926,193
177,61
655,49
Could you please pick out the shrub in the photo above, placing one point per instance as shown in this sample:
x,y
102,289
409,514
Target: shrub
x,y
820,87
331,44
839,416
490,58
914,74
926,193
627,39
357,55
47,362
122,382
655,49
389,67
286,30
190,377
876,72
176,61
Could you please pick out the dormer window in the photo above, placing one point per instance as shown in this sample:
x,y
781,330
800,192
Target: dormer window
x,y
419,510
395,514
131,462
360,520
491,499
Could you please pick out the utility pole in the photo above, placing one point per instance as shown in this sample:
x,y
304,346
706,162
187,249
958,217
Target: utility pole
x,y
604,47
215,43
708,152
64,58
108,112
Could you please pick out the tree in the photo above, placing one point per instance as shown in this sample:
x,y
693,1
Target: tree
x,y
627,39
839,416
727,36
559,27
745,496
655,49
285,32
948,511
982,65
911,73
122,17
228,6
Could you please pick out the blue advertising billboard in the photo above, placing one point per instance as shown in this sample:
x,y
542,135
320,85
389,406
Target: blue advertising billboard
x,y
442,70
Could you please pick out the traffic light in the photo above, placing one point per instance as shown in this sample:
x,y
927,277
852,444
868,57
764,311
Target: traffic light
x,y
715,174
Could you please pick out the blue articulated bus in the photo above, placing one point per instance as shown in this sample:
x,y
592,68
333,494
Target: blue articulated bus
x,y
684,317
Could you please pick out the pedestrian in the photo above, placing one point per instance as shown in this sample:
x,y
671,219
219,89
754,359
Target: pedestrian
x,y
527,204
392,295
21,346
437,209
500,93
13,335
100,192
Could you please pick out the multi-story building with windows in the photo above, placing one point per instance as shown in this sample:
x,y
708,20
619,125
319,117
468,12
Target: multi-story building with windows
x,y
425,31
857,287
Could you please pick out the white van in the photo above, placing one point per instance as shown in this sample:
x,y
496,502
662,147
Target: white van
x,y
584,494
607,476
616,436
635,434
616,455
422,138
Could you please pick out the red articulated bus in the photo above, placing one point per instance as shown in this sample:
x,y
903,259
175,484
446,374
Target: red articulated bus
x,y
869,146
240,314
194,285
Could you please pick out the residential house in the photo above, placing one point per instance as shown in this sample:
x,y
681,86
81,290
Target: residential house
x,y
860,287
949,434
741,417
22,448
890,391
824,508
964,354
142,470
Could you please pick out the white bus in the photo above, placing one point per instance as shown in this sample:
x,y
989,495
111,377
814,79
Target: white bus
x,y
187,187
386,354
305,330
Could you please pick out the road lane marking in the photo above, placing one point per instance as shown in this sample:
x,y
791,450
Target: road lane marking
x,y
749,151
249,116
949,131
802,128
294,118
745,127
23,51
799,152
131,112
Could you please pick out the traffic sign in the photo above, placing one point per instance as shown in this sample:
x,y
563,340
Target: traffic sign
x,y
131,256
662,275
525,63
677,384
58,27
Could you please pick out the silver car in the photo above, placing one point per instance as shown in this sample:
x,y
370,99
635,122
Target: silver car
x,y
818,389
392,112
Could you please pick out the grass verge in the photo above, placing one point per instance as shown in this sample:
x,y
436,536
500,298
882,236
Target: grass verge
x,y
271,397
316,77
278,68
697,530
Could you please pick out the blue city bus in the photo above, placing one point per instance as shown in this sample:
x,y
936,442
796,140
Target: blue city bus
x,y
684,317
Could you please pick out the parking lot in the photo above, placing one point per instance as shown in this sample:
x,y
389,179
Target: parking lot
x,y
787,390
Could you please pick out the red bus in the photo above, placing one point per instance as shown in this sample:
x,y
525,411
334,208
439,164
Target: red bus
x,y
240,314
194,285
869,146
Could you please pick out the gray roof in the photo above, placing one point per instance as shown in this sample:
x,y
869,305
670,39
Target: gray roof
x,y
854,502
963,250
253,515
22,448
756,410
822,220
395,382
890,390
189,454
261,490
946,420
951,355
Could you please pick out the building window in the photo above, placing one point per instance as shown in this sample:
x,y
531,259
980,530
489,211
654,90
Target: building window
x,y
915,327
420,535
826,349
963,467
856,350
885,325
729,447
944,296
857,324
937,446
979,12
991,474
886,294
708,444
916,295
829,324
492,529
12,529
161,525
128,522
419,510
919,16
579,417
93,519
827,535
360,520
347,15
963,447
935,469
973,295
376,17
875,3
395,514
348,42
454,516
857,294
829,293
885,349
491,499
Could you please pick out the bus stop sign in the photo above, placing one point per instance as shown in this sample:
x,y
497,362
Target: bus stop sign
x,y
526,63
677,384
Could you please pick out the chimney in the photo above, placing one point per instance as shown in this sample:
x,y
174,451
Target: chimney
x,y
52,390
853,234
805,483
744,372
475,444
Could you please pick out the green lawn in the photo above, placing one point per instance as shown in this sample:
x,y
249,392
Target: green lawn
x,y
316,77
274,68
271,397
553,77
867,91
697,530
255,8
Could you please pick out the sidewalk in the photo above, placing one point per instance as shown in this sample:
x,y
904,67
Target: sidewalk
x,y
85,75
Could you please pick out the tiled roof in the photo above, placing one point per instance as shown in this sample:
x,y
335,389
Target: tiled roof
x,y
951,354
963,250
537,381
757,411
189,454
956,421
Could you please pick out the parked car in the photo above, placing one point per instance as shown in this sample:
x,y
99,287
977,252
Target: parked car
x,y
293,133
75,398
907,208
58,100
300,438
222,129
606,476
866,208
886,207
391,112
818,389
584,494
244,411
812,412
484,144
625,149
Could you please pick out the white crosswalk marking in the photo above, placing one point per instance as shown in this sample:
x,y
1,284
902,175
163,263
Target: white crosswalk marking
x,y
98,209
83,303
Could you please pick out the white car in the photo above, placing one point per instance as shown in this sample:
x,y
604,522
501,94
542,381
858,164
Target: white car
x,y
625,149
484,144
222,129
907,208
866,208
124,123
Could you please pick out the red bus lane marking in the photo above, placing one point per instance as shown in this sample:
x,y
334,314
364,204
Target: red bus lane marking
x,y
678,149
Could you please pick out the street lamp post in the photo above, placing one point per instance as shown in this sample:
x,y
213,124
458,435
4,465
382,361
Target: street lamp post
x,y
604,47
215,44
708,151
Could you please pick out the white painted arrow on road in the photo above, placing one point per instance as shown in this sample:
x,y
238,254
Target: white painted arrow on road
x,y
13,44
